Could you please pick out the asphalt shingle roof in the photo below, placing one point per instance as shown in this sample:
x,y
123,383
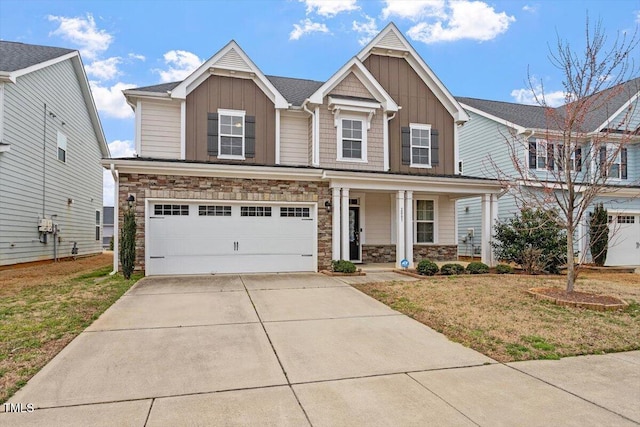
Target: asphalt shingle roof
x,y
533,116
16,56
161,88
295,91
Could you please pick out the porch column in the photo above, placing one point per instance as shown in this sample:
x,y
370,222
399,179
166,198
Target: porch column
x,y
485,251
408,227
494,218
335,223
344,222
400,228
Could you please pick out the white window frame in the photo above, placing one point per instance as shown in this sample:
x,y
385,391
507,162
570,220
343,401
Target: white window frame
x,y
420,126
559,152
611,147
232,113
98,225
542,143
434,221
363,151
61,144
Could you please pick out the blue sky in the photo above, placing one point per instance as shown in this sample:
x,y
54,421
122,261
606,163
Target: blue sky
x,y
480,49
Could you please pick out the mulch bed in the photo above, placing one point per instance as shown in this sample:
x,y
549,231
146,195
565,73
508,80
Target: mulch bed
x,y
579,299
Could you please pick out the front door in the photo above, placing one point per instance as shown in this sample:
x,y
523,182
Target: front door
x,y
354,233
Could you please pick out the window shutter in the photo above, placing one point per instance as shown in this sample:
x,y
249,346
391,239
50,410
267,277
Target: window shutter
x,y
532,153
212,134
406,146
435,148
603,161
250,137
551,159
623,163
578,159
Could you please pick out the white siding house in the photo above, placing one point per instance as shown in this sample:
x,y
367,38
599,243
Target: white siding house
x,y
51,144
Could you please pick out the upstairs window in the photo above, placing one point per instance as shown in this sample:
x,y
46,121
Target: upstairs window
x,y
420,147
62,147
231,135
352,139
613,161
548,156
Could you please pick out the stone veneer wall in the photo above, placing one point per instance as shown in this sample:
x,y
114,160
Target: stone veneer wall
x,y
144,186
387,253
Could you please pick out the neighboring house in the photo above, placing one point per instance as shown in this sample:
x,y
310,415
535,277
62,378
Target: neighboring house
x,y
242,172
107,226
51,144
484,151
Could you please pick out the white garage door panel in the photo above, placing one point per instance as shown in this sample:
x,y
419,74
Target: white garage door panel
x,y
624,242
194,244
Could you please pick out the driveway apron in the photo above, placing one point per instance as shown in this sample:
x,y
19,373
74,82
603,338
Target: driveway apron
x,y
292,349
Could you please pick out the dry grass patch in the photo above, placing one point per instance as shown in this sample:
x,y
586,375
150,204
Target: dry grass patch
x,y
495,315
43,307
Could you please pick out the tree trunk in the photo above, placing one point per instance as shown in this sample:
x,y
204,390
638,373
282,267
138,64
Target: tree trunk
x,y
571,265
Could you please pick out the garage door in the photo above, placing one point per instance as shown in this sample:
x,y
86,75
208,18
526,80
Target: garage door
x,y
229,238
624,240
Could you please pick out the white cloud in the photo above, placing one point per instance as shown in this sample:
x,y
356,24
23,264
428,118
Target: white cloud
x,y
137,56
181,63
527,96
118,149
307,27
105,69
83,32
474,20
368,29
329,8
530,8
638,17
414,9
110,100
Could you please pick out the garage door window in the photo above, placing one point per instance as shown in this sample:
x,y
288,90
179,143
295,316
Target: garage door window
x,y
295,212
214,210
255,211
626,219
171,209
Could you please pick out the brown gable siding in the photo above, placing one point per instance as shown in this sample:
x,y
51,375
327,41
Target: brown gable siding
x,y
233,94
419,105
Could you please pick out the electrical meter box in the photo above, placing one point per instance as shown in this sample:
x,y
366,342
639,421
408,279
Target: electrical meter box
x,y
45,225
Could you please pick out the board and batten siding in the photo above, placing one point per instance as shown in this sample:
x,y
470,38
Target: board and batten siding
x,y
419,105
24,194
160,129
294,139
232,94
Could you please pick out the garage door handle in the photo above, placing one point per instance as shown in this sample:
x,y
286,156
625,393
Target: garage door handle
x,y
156,257
306,255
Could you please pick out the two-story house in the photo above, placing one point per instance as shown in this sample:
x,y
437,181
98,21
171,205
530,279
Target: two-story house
x,y
51,145
608,153
237,171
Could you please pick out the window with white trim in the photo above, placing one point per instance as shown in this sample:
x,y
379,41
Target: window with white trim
x,y
420,145
613,161
425,221
545,155
231,128
98,224
352,139
62,147
541,154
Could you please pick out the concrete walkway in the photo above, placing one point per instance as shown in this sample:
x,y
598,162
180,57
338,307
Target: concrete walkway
x,y
303,349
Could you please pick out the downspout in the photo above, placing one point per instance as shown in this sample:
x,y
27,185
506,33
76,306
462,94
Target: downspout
x,y
386,142
116,209
313,132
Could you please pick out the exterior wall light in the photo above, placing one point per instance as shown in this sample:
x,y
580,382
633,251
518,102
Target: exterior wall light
x,y
327,205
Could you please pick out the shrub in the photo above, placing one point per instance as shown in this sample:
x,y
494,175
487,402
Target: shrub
x,y
451,269
128,243
599,234
343,266
427,268
518,240
477,268
504,269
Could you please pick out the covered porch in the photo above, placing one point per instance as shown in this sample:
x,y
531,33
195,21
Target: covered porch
x,y
384,218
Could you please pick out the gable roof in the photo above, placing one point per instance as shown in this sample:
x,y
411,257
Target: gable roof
x,y
17,56
391,41
18,59
295,90
534,116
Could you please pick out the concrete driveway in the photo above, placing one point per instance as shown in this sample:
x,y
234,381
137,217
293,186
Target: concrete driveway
x,y
303,349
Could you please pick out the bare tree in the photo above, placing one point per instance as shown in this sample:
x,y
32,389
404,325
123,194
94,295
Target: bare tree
x,y
573,161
